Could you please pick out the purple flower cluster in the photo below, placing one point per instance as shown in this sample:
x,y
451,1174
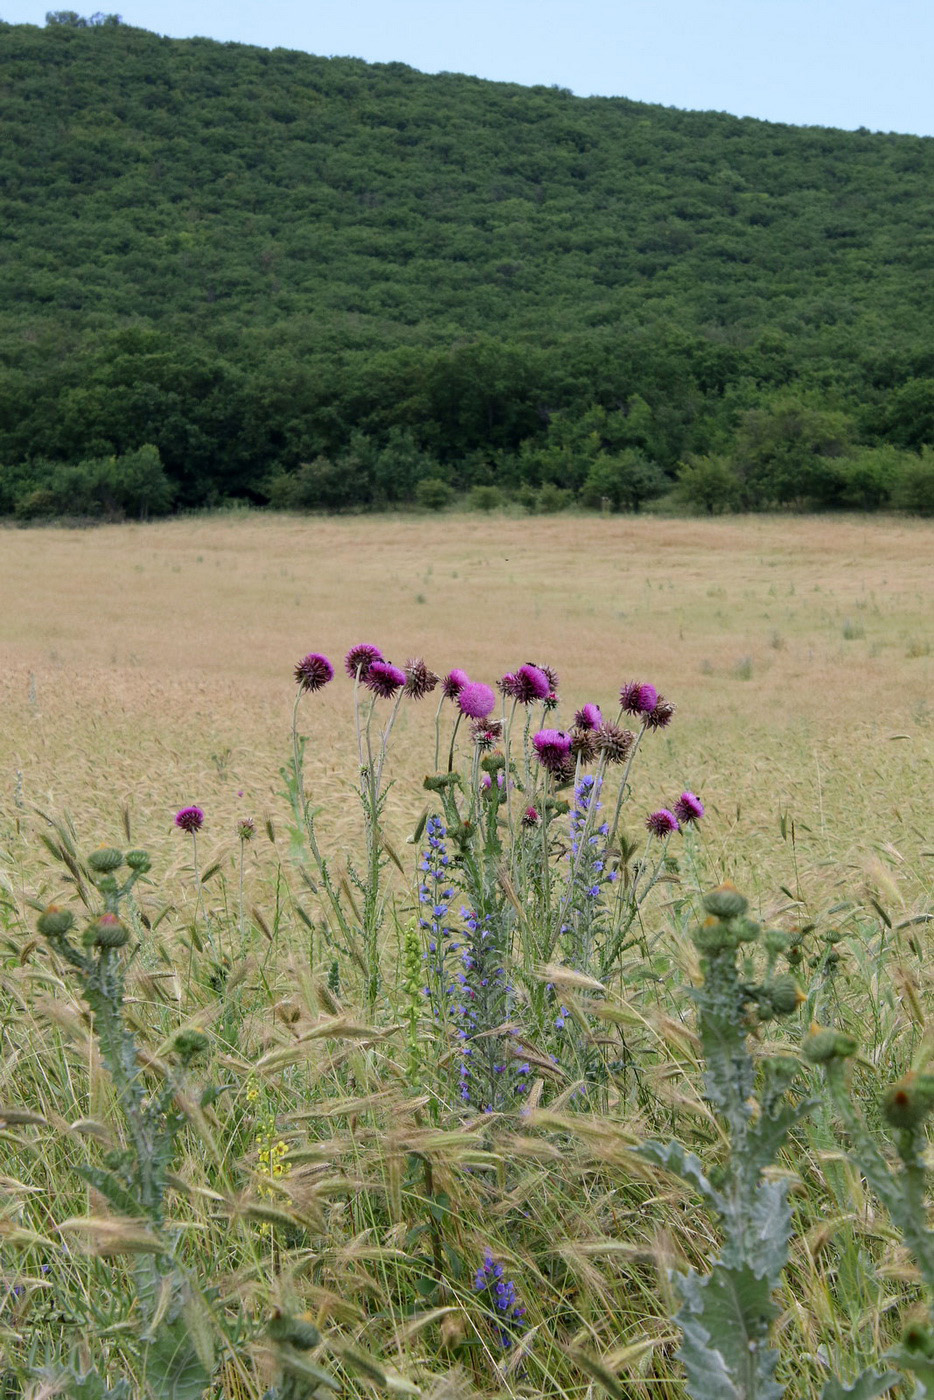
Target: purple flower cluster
x,y
508,1312
687,809
434,896
490,1072
190,819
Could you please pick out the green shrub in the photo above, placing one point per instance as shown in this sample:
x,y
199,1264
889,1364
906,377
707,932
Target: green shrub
x,y
432,493
914,488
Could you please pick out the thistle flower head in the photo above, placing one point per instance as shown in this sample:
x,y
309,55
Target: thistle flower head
x,y
476,700
584,744
360,658
660,715
486,733
688,808
530,817
246,828
454,682
588,717
661,823
313,671
551,675
190,819
550,701
531,683
384,679
552,749
419,680
637,697
614,743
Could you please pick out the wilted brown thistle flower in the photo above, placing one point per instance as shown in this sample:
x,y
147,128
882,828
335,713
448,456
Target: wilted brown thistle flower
x,y
486,733
614,743
584,744
660,715
419,680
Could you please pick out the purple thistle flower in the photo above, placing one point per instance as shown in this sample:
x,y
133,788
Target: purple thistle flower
x,y
313,671
637,697
360,658
588,717
659,717
419,680
688,808
550,701
661,823
530,817
476,700
530,683
384,679
552,748
454,682
190,819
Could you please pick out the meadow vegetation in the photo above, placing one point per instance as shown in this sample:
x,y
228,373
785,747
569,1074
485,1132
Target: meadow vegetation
x,y
242,1149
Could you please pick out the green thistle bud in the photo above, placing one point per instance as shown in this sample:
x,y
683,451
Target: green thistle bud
x,y
294,1331
784,994
917,1337
138,861
105,859
54,922
776,941
493,763
190,1043
746,930
713,936
908,1102
106,932
822,1044
726,902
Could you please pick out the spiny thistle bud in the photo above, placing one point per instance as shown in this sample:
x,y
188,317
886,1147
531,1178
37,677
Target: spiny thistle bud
x,y
918,1337
294,1331
493,762
139,861
907,1103
784,994
54,922
437,782
105,859
190,1043
823,1044
246,828
776,941
713,936
726,902
107,931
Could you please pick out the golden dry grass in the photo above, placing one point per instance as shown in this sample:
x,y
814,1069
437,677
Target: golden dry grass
x,y
151,664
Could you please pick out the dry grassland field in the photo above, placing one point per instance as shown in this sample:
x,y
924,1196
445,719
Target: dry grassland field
x,y
433,1141
150,665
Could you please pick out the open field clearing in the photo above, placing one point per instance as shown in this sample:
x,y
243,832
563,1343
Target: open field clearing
x,y
407,1115
151,665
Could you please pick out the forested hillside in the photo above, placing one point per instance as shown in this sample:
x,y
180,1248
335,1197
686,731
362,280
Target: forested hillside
x,y
233,272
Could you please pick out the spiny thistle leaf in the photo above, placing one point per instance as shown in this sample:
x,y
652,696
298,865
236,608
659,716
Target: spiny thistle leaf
x,y
865,1387
725,1320
675,1158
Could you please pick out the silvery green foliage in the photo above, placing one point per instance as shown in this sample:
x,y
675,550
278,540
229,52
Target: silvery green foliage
x,y
174,1342
725,1315
902,1189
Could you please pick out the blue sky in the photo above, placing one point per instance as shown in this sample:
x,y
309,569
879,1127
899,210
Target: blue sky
x,y
844,63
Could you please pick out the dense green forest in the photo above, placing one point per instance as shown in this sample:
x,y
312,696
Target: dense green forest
x,y
238,273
